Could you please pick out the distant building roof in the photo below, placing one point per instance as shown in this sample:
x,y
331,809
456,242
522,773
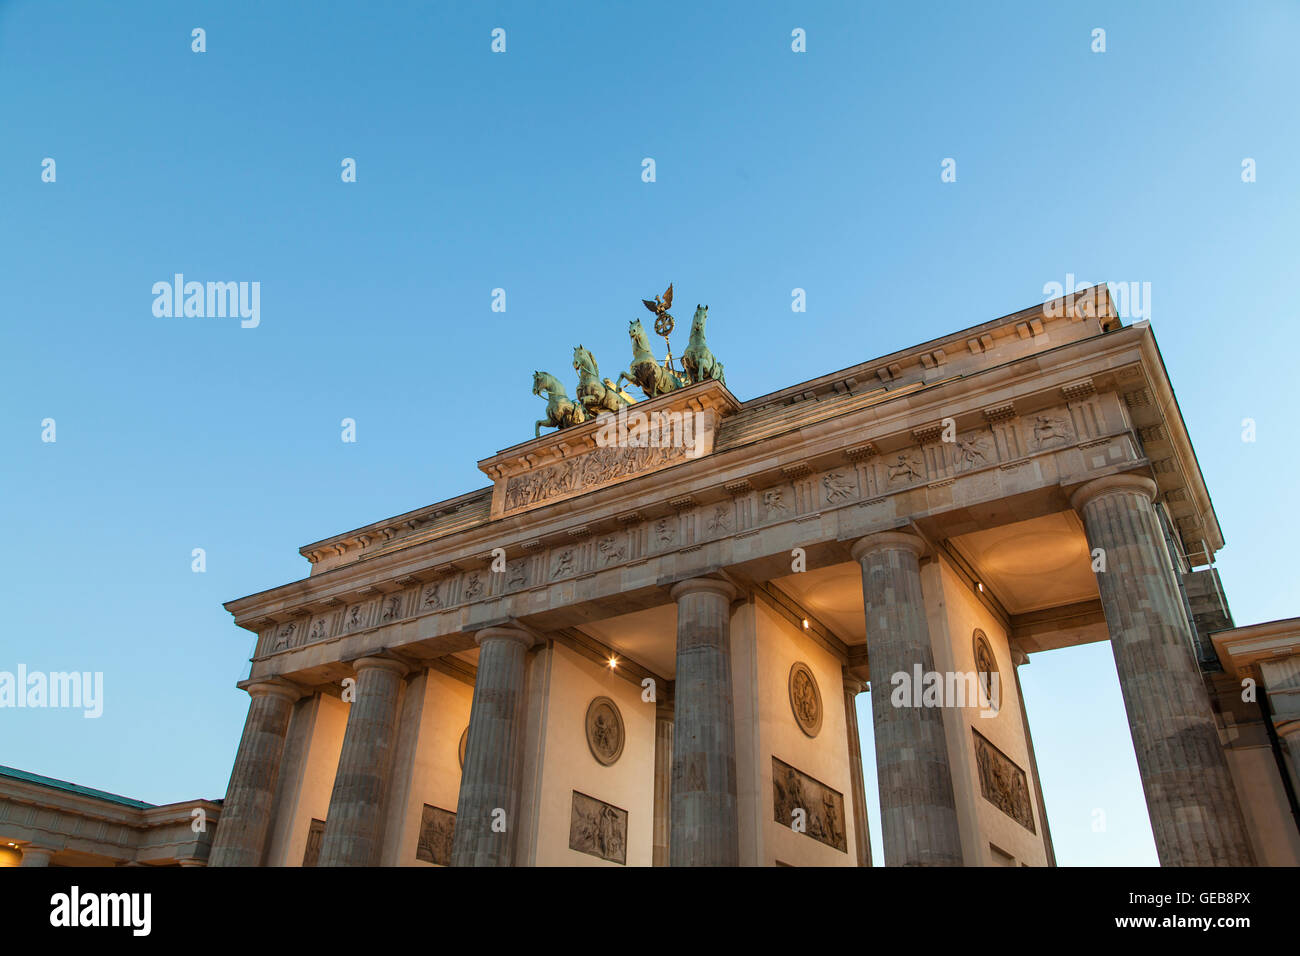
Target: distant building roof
x,y
73,788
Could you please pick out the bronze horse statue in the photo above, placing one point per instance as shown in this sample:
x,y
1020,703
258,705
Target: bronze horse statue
x,y
596,396
645,370
697,359
561,411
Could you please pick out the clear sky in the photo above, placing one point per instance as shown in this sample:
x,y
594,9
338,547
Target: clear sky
x,y
522,170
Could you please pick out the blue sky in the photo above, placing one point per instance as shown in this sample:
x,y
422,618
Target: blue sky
x,y
522,171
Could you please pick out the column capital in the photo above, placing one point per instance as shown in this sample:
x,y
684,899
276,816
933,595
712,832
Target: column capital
x,y
274,687
854,685
377,662
889,541
1129,483
694,585
1018,656
505,633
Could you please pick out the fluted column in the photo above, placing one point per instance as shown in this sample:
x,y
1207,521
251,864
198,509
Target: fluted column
x,y
862,835
489,785
918,814
246,813
705,819
354,826
1193,807
663,780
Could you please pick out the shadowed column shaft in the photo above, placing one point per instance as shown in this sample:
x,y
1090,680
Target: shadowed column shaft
x,y
663,782
705,821
861,833
1190,797
353,825
489,785
918,814
246,813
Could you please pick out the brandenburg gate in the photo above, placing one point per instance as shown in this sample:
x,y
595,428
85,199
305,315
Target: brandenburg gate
x,y
642,643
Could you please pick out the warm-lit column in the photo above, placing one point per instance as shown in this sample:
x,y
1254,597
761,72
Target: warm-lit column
x,y
1193,807
354,826
663,780
852,688
246,814
489,785
918,814
705,820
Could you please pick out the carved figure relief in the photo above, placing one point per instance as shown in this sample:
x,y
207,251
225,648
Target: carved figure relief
x,y
597,467
611,550
437,828
665,531
598,829
393,608
1003,783
971,450
432,599
354,616
823,808
285,637
563,563
315,835
605,733
474,586
318,630
1048,429
838,487
805,699
986,666
720,520
772,502
517,574
906,467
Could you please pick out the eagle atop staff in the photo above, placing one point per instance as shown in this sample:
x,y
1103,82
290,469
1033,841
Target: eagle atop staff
x,y
660,306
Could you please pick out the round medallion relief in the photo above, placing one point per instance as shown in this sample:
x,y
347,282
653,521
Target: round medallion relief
x,y
805,699
460,748
986,666
604,730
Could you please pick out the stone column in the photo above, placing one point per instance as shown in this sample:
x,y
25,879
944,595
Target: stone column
x,y
1019,659
1194,813
36,856
918,813
487,811
354,825
862,835
246,814
705,818
663,780
1289,736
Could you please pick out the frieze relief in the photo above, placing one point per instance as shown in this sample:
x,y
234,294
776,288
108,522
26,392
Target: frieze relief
x,y
601,466
1002,782
861,478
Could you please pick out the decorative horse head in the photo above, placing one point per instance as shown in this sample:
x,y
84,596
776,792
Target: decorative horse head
x,y
701,316
640,341
546,382
583,360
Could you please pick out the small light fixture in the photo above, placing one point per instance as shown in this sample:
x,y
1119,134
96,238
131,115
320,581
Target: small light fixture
x,y
805,624
613,662
980,585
